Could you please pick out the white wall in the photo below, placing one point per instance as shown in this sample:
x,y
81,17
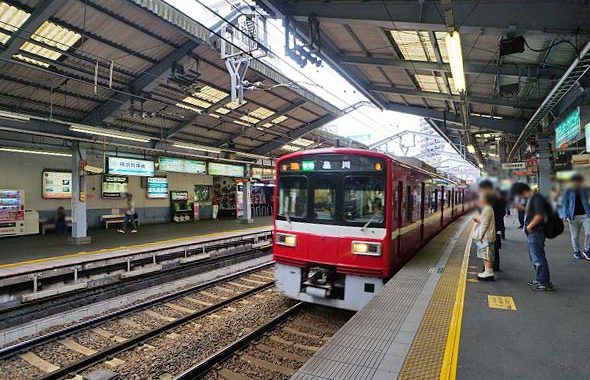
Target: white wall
x,y
23,171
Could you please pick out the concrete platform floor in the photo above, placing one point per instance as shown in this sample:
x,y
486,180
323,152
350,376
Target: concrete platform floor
x,y
23,248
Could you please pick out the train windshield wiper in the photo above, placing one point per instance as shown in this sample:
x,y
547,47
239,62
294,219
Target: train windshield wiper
x,y
287,217
372,219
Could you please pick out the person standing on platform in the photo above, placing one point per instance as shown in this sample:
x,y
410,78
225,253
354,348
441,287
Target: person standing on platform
x,y
575,209
61,226
129,215
484,236
537,207
499,207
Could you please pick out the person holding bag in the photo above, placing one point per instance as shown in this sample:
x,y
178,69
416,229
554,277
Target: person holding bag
x,y
484,236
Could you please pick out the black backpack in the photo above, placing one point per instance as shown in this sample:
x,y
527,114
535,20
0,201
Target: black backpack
x,y
553,225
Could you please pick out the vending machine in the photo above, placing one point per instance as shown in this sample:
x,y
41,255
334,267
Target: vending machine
x,y
12,212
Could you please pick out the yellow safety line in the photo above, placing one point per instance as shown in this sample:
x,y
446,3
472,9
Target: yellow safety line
x,y
448,370
124,247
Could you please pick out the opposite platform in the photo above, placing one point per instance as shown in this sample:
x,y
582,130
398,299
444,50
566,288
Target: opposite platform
x,y
39,252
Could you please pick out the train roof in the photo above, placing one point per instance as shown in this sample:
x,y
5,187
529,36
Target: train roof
x,y
364,152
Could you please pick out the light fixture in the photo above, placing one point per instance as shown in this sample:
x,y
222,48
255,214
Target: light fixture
x,y
453,42
14,116
34,151
471,148
249,155
108,133
480,165
196,147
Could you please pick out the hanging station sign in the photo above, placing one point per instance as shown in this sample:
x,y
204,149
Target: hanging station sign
x,y
514,166
568,130
180,165
225,170
157,188
114,186
129,166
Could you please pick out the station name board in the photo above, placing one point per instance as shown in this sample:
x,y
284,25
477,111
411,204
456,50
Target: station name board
x,y
568,130
129,166
332,163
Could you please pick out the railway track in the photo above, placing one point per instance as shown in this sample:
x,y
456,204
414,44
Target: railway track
x,y
275,350
99,342
23,313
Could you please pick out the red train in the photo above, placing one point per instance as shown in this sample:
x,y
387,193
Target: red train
x,y
347,219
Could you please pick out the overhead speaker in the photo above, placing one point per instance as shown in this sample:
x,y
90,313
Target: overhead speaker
x,y
511,45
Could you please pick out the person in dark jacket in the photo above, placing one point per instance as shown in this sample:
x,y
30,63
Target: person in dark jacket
x,y
499,206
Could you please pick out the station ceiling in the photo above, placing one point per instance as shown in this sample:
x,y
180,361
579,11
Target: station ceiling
x,y
52,49
394,52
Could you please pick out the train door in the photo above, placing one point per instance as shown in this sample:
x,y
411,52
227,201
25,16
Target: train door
x,y
463,201
452,203
399,198
422,206
442,205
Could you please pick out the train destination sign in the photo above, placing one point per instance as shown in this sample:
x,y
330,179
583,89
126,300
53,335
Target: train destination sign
x,y
332,163
568,130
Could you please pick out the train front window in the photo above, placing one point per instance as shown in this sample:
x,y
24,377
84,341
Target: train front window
x,y
293,197
324,199
364,200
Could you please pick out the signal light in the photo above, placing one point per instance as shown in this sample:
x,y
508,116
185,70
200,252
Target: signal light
x,y
295,166
378,166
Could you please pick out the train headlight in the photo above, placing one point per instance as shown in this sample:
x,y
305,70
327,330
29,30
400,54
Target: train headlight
x,y
366,248
286,239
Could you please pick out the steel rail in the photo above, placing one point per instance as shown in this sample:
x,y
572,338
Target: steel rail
x,y
202,368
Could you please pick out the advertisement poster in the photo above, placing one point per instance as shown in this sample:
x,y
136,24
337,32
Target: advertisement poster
x,y
568,130
157,188
225,170
129,166
57,185
114,186
179,165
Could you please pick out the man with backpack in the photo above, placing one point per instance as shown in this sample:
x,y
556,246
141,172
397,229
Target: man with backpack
x,y
575,209
540,221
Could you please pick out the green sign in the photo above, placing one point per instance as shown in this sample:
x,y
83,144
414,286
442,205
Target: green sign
x,y
225,170
307,166
180,165
568,129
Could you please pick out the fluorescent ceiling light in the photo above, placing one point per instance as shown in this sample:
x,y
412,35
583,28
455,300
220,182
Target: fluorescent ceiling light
x,y
234,105
243,124
34,151
30,60
481,166
13,115
249,155
267,125
279,119
214,115
190,108
471,148
453,42
196,147
108,133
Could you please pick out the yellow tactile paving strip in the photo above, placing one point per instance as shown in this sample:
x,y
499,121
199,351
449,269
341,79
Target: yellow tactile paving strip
x,y
427,353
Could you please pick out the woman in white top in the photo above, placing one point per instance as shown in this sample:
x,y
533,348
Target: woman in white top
x,y
129,215
484,236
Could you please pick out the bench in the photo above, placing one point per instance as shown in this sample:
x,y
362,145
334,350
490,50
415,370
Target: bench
x,y
49,225
114,219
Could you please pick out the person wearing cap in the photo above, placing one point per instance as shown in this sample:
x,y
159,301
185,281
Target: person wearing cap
x,y
575,210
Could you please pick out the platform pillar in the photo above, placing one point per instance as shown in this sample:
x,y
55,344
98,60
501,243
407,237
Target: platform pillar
x,y
544,164
79,222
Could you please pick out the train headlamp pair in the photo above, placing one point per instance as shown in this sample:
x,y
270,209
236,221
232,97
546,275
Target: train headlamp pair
x,y
286,240
366,248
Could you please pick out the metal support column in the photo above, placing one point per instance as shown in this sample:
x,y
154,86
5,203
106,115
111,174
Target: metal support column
x,y
79,223
544,163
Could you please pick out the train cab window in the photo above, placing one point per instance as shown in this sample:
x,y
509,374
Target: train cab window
x,y
364,199
293,197
324,199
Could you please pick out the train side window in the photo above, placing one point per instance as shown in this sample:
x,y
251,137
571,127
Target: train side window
x,y
409,203
324,199
434,201
293,197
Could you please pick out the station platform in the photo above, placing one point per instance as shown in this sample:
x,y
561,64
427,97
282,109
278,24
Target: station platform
x,y
34,249
434,320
